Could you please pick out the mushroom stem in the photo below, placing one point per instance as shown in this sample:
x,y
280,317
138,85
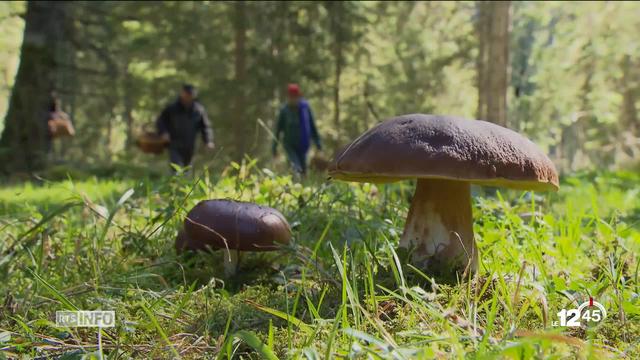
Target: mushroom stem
x,y
439,228
231,262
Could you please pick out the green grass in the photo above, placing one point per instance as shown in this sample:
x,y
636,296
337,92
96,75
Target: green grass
x,y
340,290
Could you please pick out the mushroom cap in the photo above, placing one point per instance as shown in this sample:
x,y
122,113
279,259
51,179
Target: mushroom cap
x,y
445,147
222,224
184,242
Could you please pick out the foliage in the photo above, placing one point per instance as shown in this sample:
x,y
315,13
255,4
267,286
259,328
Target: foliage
x,y
97,230
571,66
11,26
339,290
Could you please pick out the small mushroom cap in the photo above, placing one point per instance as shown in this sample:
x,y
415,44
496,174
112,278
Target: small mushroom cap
x,y
184,242
445,147
222,224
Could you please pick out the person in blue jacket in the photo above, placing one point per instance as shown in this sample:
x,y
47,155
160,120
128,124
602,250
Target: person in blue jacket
x,y
295,129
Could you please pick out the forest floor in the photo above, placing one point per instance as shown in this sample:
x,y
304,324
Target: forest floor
x,y
338,291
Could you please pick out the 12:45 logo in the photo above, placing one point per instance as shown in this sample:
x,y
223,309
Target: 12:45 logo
x,y
589,311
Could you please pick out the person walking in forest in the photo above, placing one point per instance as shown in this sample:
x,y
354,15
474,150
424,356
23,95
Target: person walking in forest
x,y
296,124
58,123
180,122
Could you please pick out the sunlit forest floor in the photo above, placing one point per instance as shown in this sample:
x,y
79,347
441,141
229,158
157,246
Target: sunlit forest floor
x,y
339,290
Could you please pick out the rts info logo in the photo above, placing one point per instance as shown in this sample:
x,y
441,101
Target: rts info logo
x,y
589,311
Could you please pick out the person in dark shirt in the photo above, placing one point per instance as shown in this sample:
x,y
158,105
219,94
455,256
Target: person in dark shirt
x,y
180,122
54,106
54,115
295,129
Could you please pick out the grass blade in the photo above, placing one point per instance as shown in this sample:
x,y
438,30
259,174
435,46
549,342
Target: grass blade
x,y
164,336
53,291
252,340
291,319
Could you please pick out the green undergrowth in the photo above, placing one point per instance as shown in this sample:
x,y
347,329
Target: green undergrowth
x,y
340,290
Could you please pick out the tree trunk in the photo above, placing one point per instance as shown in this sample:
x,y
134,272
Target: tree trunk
x,y
493,61
24,140
240,29
574,137
127,101
336,83
335,12
337,56
128,117
481,62
629,124
629,96
279,50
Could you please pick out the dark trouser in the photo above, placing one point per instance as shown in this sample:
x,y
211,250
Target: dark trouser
x,y
180,156
298,159
48,144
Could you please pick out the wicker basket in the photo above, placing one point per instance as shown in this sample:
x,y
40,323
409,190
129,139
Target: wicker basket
x,y
60,125
319,163
150,142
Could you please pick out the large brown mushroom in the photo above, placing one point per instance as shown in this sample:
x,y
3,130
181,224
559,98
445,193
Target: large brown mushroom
x,y
445,154
233,227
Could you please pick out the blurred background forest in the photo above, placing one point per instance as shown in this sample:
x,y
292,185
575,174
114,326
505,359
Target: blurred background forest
x,y
566,74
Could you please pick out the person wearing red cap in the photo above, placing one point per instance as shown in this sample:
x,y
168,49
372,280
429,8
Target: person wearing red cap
x,y
295,129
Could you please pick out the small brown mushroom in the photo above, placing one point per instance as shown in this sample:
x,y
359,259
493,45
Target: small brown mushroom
x,y
446,154
233,226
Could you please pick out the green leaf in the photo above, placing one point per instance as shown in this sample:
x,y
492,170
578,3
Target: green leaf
x,y
290,318
53,291
125,197
5,336
366,338
73,355
252,340
164,336
58,211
